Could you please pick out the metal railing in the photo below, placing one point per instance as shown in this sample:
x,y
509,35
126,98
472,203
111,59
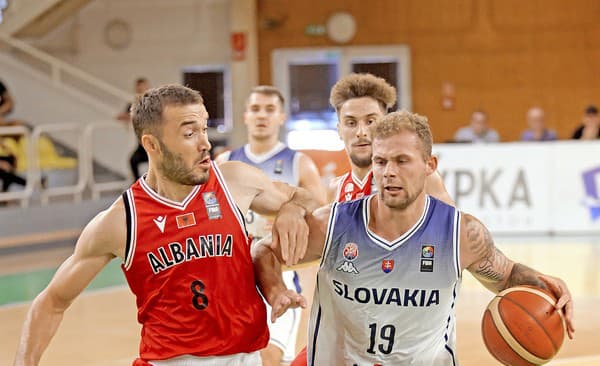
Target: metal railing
x,y
24,195
59,69
82,162
85,181
98,187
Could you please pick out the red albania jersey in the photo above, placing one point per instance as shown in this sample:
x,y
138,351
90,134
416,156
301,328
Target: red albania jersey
x,y
188,263
350,187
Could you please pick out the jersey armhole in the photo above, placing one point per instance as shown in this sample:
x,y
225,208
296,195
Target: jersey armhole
x,y
329,234
130,219
234,207
456,242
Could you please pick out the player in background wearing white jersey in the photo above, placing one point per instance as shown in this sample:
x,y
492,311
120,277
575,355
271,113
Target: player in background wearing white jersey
x,y
264,115
359,100
392,263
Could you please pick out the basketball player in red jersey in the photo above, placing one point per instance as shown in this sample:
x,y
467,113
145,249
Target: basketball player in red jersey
x,y
359,100
180,234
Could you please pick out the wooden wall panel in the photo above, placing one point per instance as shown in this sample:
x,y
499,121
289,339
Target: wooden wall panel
x,y
502,56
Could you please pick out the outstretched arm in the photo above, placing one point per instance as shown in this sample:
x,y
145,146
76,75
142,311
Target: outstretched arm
x,y
91,254
251,188
311,180
497,272
267,269
317,224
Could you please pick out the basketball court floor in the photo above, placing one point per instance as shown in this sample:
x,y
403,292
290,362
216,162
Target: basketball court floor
x,y
100,328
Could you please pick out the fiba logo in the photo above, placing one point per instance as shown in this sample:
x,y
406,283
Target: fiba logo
x,y
591,183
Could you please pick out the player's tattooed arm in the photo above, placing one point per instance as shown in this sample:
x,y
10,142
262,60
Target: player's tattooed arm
x,y
487,263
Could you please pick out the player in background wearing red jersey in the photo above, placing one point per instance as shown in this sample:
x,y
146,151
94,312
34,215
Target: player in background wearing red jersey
x,y
180,234
359,100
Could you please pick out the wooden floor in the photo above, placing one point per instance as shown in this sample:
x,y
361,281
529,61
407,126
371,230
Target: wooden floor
x,y
100,327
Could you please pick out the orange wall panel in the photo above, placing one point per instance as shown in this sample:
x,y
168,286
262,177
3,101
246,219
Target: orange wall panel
x,y
502,56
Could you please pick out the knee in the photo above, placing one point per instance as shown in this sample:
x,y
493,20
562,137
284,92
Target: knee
x,y
271,356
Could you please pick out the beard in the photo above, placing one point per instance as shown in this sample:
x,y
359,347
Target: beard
x,y
361,162
398,203
173,167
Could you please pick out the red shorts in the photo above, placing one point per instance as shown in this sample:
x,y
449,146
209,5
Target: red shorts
x,y
300,359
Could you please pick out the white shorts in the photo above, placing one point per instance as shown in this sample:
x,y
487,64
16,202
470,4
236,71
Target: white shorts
x,y
239,359
285,329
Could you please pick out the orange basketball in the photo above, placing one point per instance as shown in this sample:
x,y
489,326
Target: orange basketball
x,y
521,326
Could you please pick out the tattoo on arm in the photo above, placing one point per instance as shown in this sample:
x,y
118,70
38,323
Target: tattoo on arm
x,y
493,264
523,275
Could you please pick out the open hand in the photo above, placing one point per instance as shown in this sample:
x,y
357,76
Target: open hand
x,y
287,299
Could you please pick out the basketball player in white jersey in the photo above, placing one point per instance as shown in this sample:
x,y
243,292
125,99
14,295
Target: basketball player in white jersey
x,y
180,234
359,100
392,263
264,116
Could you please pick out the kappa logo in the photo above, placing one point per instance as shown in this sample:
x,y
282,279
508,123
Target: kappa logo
x,y
348,268
160,222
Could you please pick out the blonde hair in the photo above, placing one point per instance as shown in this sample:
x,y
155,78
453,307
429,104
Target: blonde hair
x,y
362,85
395,122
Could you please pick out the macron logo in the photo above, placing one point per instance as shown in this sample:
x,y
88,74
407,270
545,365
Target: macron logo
x,y
160,223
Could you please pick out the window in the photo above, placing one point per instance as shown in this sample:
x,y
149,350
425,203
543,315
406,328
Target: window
x,y
306,76
213,83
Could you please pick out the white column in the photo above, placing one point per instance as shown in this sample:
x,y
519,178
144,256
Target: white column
x,y
244,73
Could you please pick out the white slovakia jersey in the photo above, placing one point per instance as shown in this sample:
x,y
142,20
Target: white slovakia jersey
x,y
380,302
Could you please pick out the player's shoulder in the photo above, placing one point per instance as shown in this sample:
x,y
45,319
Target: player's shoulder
x,y
107,231
237,173
223,157
230,167
332,187
334,183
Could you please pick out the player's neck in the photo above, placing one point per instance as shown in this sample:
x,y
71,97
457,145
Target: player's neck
x,y
260,147
360,172
391,223
166,188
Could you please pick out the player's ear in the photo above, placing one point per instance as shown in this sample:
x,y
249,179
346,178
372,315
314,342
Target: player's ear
x,y
283,118
150,143
432,163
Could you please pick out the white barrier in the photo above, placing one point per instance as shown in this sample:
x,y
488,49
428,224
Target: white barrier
x,y
537,188
85,159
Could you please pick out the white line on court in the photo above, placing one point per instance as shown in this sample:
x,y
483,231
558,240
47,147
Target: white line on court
x,y
86,293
